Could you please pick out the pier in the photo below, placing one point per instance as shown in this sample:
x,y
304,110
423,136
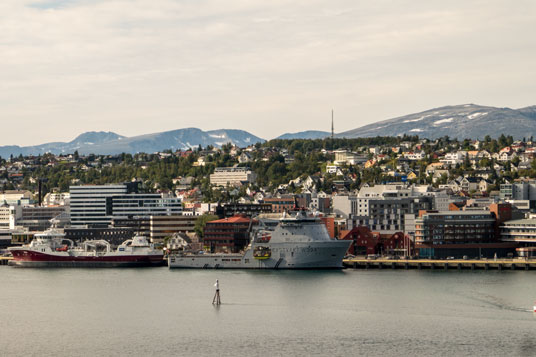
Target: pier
x,y
5,260
441,264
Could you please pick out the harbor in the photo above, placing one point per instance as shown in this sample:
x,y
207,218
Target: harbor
x,y
445,264
292,312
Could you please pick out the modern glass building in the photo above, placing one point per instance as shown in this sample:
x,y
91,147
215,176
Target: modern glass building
x,y
98,205
455,227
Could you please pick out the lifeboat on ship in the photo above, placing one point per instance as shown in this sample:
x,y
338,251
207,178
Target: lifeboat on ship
x,y
261,252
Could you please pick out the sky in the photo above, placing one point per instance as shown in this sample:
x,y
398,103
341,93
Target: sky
x,y
268,67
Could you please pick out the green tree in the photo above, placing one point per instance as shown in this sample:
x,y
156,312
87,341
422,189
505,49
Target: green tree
x,y
200,223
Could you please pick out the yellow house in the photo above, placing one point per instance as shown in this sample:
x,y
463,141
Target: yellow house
x,y
412,176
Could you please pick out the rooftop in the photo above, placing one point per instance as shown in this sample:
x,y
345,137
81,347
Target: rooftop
x,y
234,219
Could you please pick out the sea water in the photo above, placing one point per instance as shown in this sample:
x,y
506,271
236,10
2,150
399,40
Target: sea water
x,y
162,312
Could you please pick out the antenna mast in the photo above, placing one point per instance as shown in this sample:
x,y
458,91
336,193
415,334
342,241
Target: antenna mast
x,y
332,127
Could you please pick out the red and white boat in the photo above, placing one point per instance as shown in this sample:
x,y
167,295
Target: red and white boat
x,y
52,249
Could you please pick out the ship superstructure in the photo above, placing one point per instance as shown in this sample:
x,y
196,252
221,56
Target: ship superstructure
x,y
52,249
294,242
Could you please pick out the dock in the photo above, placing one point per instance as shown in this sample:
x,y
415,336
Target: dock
x,y
5,260
441,264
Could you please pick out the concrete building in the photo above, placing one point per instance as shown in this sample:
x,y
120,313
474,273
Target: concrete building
x,y
56,199
161,227
344,205
33,218
348,158
384,208
5,214
98,205
16,197
224,176
522,232
519,190
519,230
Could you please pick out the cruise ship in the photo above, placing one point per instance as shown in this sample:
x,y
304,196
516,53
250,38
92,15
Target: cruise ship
x,y
52,249
293,242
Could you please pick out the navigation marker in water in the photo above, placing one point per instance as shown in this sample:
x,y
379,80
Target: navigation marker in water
x,y
216,300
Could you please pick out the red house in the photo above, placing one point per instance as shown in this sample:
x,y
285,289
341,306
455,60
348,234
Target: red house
x,y
366,242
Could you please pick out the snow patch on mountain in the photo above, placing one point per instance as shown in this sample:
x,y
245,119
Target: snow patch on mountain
x,y
469,121
443,121
476,115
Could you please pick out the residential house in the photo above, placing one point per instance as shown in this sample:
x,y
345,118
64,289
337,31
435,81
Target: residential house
x,y
244,157
469,184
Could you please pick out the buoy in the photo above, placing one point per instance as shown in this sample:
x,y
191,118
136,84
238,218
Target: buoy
x,y
216,300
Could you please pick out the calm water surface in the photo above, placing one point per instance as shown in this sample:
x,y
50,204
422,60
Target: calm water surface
x,y
157,311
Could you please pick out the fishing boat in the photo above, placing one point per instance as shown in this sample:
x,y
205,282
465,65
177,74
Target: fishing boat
x,y
52,249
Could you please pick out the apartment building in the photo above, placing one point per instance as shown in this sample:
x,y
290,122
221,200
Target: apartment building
x,y
384,208
348,158
224,176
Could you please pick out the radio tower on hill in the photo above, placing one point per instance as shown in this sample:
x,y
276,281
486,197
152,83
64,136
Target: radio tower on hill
x,y
332,129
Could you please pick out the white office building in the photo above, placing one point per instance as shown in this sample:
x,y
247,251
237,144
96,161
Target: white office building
x,y
224,176
98,205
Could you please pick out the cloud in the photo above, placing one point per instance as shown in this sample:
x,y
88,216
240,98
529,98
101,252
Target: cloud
x,y
135,67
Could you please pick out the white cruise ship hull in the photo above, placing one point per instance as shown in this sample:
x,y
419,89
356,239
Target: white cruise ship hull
x,y
295,255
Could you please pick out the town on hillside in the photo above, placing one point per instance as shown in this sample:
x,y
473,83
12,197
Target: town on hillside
x,y
392,196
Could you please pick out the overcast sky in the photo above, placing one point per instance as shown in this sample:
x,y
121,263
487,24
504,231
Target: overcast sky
x,y
137,67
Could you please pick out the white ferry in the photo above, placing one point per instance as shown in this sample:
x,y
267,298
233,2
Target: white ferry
x,y
294,242
52,249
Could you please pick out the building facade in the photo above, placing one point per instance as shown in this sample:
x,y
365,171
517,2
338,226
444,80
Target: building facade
x,y
228,235
459,234
246,209
224,176
455,227
98,205
281,204
161,227
522,231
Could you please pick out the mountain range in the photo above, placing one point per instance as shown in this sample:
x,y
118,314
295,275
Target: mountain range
x,y
108,143
308,134
458,121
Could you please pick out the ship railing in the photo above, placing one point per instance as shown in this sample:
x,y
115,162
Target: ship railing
x,y
94,244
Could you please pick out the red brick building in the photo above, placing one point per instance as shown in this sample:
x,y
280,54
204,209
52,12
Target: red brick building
x,y
367,242
228,235
330,225
281,204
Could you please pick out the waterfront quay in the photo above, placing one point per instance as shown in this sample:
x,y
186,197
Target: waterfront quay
x,y
444,264
5,260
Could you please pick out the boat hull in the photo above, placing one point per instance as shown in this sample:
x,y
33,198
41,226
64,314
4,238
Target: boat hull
x,y
310,255
33,259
